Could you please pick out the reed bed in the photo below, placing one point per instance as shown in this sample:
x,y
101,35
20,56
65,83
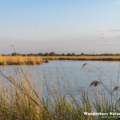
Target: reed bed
x,y
105,58
31,60
22,99
20,60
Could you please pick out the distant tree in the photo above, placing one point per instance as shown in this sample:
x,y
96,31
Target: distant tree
x,y
40,54
63,54
82,53
73,54
57,54
106,54
31,54
52,54
14,54
117,54
46,54
69,54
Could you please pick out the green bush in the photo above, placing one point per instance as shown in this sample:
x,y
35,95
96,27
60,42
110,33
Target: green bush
x,y
46,54
52,54
40,54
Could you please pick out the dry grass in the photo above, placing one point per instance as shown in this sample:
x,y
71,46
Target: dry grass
x,y
10,60
14,60
81,57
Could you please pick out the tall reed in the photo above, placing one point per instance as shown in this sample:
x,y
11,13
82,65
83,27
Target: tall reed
x,y
21,98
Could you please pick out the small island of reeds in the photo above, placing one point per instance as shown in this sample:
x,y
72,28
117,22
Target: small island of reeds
x,y
21,60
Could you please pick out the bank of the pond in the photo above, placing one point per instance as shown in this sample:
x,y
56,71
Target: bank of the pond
x,y
32,60
21,60
98,58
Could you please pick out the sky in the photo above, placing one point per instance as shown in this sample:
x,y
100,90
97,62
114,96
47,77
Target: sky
x,y
61,26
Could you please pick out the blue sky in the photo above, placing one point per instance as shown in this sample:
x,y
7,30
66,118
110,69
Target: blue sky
x,y
61,26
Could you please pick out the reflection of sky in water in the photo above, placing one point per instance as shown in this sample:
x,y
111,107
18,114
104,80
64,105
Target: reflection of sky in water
x,y
71,70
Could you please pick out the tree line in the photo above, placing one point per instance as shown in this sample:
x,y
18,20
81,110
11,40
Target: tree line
x,y
63,54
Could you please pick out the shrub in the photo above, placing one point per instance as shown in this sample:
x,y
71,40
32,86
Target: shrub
x,y
46,54
52,54
40,54
31,54
14,54
69,54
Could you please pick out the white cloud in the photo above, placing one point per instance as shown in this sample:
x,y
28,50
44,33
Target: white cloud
x,y
58,22
36,28
115,30
118,2
78,26
110,33
68,22
51,21
105,34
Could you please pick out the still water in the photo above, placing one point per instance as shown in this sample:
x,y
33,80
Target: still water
x,y
71,70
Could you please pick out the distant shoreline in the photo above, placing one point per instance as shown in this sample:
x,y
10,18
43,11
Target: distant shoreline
x,y
100,58
32,60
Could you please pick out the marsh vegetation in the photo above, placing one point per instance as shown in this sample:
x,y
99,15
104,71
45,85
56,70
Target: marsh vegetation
x,y
20,60
32,60
22,98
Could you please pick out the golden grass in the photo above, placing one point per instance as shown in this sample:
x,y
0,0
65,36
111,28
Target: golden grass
x,y
10,60
81,57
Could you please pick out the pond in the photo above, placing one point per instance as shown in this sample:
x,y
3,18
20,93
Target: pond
x,y
69,72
